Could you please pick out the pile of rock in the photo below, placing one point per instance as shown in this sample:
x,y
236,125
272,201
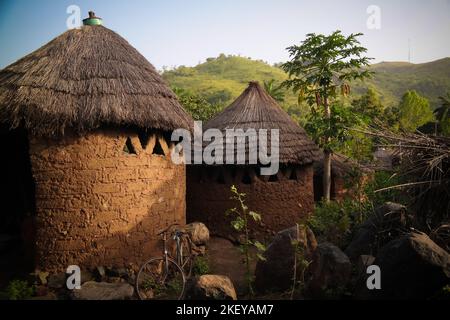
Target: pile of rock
x,y
412,265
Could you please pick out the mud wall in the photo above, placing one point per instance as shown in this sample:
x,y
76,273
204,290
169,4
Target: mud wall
x,y
100,199
282,200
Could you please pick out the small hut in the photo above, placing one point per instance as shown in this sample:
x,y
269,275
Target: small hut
x,y
346,177
86,122
282,199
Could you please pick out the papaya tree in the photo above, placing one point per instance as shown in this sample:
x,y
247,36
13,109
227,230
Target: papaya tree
x,y
320,69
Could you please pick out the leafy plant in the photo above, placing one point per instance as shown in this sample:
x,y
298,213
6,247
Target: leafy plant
x,y
301,264
332,221
321,68
414,111
275,91
18,290
242,215
201,266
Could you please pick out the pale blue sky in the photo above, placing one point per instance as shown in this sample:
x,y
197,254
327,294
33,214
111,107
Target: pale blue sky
x,y
185,32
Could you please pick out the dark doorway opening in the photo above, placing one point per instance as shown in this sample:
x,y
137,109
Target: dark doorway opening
x,y
17,203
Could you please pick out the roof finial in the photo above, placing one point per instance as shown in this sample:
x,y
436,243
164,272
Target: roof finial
x,y
92,20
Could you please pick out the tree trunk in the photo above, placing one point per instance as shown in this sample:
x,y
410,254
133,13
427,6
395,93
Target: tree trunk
x,y
327,159
327,175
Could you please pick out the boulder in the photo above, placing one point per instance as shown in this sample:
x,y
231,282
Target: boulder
x,y
57,281
276,272
211,287
117,272
412,267
386,224
198,233
441,236
330,269
103,291
363,262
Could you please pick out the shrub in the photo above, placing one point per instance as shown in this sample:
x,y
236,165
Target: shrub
x,y
18,290
331,221
201,266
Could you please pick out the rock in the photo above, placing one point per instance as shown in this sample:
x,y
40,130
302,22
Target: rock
x,y
86,276
198,233
198,250
211,287
117,272
57,281
276,272
383,226
412,267
103,291
41,291
363,262
441,236
100,273
330,269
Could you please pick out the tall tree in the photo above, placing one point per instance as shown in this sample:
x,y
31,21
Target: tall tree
x,y
321,67
414,111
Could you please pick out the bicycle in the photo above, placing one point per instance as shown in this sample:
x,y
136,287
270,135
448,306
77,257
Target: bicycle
x,y
165,277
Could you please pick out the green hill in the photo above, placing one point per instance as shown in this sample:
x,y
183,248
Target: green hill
x,y
222,79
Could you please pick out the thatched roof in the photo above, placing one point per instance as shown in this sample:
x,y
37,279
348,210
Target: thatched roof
x,y
84,79
256,109
341,166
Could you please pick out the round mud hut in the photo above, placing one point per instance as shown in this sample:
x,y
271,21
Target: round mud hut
x,y
282,199
86,124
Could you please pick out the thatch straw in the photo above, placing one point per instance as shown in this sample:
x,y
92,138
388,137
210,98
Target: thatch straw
x,y
255,109
84,79
425,167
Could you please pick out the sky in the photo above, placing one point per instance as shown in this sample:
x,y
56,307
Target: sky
x,y
171,33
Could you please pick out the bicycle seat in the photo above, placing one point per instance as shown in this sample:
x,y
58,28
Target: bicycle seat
x,y
167,229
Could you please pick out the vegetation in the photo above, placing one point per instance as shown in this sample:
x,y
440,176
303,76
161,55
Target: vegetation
x,y
221,80
301,264
225,77
275,91
201,266
335,222
18,290
414,111
242,216
196,105
319,68
442,115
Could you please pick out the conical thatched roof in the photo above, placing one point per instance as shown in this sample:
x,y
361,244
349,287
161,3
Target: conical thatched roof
x,y
256,109
84,79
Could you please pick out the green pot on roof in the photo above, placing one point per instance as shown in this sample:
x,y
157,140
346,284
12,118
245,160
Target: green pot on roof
x,y
92,20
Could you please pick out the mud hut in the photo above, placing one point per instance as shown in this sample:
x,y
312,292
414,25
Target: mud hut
x,y
85,126
283,198
346,177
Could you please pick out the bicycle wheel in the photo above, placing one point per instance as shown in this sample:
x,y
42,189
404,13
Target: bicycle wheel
x,y
185,258
160,279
